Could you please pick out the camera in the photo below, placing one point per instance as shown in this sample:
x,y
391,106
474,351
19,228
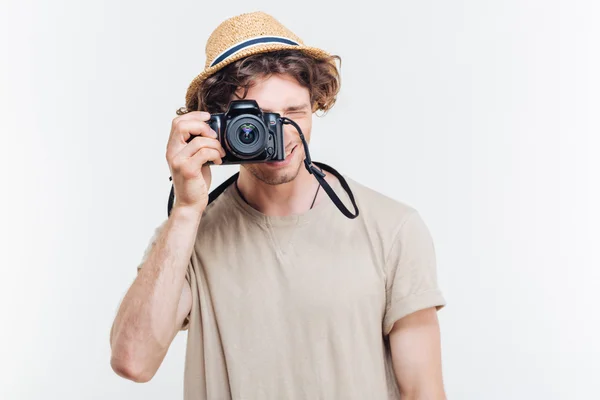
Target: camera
x,y
248,134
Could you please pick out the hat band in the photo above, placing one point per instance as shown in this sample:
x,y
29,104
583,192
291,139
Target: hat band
x,y
249,43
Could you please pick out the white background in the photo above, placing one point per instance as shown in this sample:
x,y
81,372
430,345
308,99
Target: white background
x,y
483,115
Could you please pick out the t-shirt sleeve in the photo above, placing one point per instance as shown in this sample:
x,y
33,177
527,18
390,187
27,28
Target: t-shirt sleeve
x,y
411,275
146,253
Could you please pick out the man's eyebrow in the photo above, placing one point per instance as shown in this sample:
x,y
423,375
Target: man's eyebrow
x,y
300,107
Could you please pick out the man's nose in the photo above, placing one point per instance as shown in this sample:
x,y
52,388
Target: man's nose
x,y
289,133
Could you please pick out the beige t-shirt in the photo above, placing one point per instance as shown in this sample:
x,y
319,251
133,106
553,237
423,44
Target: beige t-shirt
x,y
300,307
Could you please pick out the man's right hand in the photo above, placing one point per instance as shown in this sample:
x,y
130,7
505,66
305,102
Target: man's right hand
x,y
188,161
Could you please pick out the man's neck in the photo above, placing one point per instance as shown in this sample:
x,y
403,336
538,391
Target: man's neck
x,y
290,198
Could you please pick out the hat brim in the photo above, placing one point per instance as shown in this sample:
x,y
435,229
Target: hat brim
x,y
197,81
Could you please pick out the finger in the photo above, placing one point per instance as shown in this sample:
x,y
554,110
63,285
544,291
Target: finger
x,y
198,116
202,116
205,155
183,131
193,115
199,142
191,168
187,128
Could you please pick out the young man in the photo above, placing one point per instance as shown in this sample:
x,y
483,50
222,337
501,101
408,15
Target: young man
x,y
283,296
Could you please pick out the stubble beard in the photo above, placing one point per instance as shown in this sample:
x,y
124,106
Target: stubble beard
x,y
274,177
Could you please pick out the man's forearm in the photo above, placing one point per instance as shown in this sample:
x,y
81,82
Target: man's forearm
x,y
147,318
436,393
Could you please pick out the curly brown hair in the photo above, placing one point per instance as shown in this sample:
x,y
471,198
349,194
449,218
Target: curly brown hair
x,y
320,76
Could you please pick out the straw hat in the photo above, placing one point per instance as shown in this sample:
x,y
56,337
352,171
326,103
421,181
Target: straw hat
x,y
244,35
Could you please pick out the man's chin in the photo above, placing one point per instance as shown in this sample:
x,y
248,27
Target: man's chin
x,y
272,175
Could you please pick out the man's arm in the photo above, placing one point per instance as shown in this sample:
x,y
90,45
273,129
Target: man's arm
x,y
157,302
416,356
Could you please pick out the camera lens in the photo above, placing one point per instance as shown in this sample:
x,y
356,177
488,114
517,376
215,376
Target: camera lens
x,y
246,136
247,133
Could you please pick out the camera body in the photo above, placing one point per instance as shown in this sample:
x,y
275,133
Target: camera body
x,y
247,134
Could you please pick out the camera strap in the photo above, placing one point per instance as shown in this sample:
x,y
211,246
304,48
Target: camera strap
x,y
311,167
320,176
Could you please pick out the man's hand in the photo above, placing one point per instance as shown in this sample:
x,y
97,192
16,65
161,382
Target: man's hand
x,y
192,143
416,356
